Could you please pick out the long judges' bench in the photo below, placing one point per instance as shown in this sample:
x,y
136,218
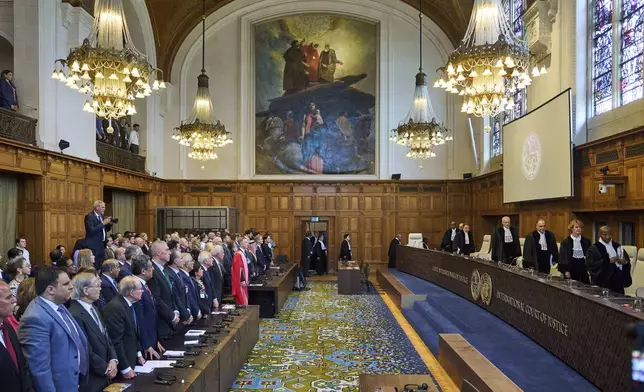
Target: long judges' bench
x,y
271,293
571,320
217,365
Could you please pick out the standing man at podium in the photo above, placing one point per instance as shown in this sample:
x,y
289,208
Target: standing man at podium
x,y
540,249
505,243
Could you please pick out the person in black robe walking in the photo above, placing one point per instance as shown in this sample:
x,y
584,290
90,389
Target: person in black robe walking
x,y
540,249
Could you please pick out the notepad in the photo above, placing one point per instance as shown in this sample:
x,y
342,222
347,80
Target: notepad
x,y
194,333
173,353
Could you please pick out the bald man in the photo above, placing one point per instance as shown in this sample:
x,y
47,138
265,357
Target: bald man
x,y
448,237
505,243
608,263
540,249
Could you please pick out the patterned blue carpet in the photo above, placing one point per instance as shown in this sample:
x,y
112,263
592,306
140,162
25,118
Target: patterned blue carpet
x,y
323,341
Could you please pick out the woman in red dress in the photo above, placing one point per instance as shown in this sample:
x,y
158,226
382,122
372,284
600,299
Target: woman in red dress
x,y
240,274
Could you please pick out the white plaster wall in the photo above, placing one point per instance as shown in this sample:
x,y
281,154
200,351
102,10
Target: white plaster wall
x,y
228,57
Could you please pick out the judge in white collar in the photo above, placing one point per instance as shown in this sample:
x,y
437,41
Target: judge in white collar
x,y
608,263
345,248
448,237
540,249
505,243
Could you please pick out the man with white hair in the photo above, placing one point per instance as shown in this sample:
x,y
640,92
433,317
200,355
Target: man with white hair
x,y
121,321
505,243
102,356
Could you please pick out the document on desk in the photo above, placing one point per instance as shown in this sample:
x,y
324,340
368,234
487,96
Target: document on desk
x,y
193,333
173,353
190,342
228,307
160,364
255,284
216,312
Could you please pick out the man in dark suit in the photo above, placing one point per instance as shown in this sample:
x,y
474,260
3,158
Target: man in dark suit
x,y
206,261
179,290
53,343
307,253
102,356
14,373
109,288
96,228
120,318
126,264
146,310
449,237
262,260
345,248
392,250
216,272
161,287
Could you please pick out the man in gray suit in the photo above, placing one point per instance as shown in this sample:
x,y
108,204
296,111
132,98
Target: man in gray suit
x,y
53,343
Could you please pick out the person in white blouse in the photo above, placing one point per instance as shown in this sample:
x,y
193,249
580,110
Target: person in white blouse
x,y
133,140
608,263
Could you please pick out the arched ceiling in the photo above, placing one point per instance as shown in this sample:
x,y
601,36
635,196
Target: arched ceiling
x,y
173,20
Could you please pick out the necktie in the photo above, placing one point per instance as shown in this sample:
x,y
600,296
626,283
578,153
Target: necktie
x,y
149,292
97,319
136,325
9,345
167,278
84,365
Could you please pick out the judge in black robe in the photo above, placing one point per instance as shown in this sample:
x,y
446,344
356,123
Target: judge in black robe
x,y
572,254
320,253
505,243
392,250
307,253
535,254
608,263
345,248
464,241
448,237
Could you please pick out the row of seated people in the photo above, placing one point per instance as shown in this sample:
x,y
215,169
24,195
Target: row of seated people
x,y
604,263
83,326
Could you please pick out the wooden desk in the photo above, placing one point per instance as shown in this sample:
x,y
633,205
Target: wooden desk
x,y
217,366
574,324
387,382
349,280
272,294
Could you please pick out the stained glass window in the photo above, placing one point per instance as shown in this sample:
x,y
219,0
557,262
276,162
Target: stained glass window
x,y
496,136
632,37
602,55
514,10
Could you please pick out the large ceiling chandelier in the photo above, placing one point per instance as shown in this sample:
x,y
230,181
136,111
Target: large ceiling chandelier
x,y
202,132
420,131
490,64
107,66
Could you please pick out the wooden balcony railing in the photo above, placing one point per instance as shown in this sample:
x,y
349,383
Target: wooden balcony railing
x,y
17,127
115,156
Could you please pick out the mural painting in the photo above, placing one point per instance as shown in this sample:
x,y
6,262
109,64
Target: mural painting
x,y
315,86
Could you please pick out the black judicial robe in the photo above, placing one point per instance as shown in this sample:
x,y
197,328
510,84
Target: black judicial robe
x,y
459,243
307,253
576,267
607,274
391,253
534,257
505,252
446,244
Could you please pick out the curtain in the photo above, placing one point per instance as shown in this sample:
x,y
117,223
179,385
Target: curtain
x,y
8,212
124,208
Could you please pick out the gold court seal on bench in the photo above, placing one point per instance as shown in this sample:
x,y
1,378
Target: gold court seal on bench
x,y
475,285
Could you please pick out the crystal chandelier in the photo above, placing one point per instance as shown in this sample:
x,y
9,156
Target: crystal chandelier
x,y
107,66
490,64
202,132
419,130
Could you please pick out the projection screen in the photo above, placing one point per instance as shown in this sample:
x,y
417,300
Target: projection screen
x,y
537,153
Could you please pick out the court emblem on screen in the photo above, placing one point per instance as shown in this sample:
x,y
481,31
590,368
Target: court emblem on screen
x,y
475,285
531,156
486,289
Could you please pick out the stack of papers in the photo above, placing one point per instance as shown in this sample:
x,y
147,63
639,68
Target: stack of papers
x,y
228,307
172,353
190,342
149,366
217,312
193,333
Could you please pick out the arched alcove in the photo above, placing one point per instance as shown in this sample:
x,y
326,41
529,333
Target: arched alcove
x,y
6,54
